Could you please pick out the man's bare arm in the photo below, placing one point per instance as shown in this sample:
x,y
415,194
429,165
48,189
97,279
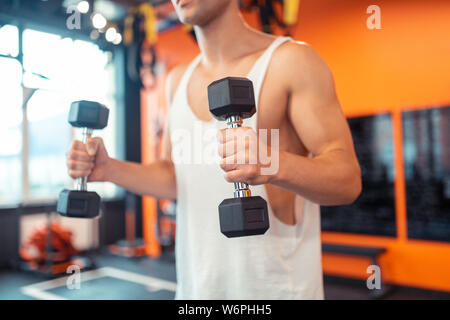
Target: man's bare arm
x,y
332,176
158,178
155,179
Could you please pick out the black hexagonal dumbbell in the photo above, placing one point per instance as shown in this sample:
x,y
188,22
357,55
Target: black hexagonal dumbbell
x,y
81,203
232,99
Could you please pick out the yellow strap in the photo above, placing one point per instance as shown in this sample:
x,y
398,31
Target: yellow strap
x,y
128,29
290,11
151,26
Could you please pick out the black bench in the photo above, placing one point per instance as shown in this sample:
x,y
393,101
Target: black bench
x,y
371,252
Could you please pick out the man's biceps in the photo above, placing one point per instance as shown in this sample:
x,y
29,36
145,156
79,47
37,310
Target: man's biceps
x,y
323,145
321,137
337,145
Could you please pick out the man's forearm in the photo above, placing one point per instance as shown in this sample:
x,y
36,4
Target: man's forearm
x,y
156,179
329,179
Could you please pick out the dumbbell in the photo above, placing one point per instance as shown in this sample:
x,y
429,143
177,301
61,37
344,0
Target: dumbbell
x,y
80,203
232,99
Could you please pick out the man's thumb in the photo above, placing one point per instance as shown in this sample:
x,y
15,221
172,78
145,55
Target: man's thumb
x,y
92,146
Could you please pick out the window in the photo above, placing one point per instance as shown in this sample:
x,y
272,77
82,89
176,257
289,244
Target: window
x,y
9,40
426,149
373,212
56,71
10,130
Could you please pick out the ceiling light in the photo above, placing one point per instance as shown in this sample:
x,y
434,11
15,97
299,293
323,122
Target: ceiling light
x,y
83,6
98,21
110,34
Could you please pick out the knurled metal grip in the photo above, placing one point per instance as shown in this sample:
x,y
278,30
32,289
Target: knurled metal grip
x,y
81,183
241,189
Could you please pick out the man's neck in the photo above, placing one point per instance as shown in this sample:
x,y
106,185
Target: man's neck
x,y
220,40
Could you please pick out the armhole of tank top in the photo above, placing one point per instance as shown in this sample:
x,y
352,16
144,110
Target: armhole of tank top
x,y
170,97
179,85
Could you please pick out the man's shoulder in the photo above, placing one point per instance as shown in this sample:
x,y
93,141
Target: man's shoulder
x,y
294,47
297,54
299,60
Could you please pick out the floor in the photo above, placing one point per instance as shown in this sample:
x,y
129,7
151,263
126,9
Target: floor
x,y
143,278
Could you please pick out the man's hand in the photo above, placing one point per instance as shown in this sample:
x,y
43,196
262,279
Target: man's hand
x,y
240,150
90,159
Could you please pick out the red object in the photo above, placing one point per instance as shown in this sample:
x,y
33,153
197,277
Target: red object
x,y
36,249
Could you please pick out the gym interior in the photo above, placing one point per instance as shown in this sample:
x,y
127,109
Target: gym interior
x,y
391,66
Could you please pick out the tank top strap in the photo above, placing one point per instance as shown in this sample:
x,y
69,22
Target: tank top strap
x,y
182,86
256,74
259,69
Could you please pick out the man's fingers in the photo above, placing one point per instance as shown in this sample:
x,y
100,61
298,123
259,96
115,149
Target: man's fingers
x,y
228,164
92,145
246,174
221,135
231,147
225,135
79,173
78,145
79,155
79,165
226,149
235,176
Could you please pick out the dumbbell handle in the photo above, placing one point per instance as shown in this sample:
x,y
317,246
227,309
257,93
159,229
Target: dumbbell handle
x,y
82,182
241,189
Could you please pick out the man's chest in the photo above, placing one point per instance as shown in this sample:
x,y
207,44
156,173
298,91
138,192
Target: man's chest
x,y
271,104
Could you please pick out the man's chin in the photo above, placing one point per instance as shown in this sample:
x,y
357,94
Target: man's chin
x,y
195,14
185,16
191,20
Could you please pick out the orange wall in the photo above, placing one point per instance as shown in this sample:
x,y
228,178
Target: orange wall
x,y
404,65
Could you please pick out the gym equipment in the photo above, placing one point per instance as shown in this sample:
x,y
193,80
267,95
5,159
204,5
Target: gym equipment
x,y
49,249
35,248
81,203
282,13
133,245
166,223
232,99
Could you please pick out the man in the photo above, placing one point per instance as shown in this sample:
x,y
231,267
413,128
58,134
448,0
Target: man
x,y
316,165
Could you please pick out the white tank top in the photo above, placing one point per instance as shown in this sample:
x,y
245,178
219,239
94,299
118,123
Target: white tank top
x,y
284,263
